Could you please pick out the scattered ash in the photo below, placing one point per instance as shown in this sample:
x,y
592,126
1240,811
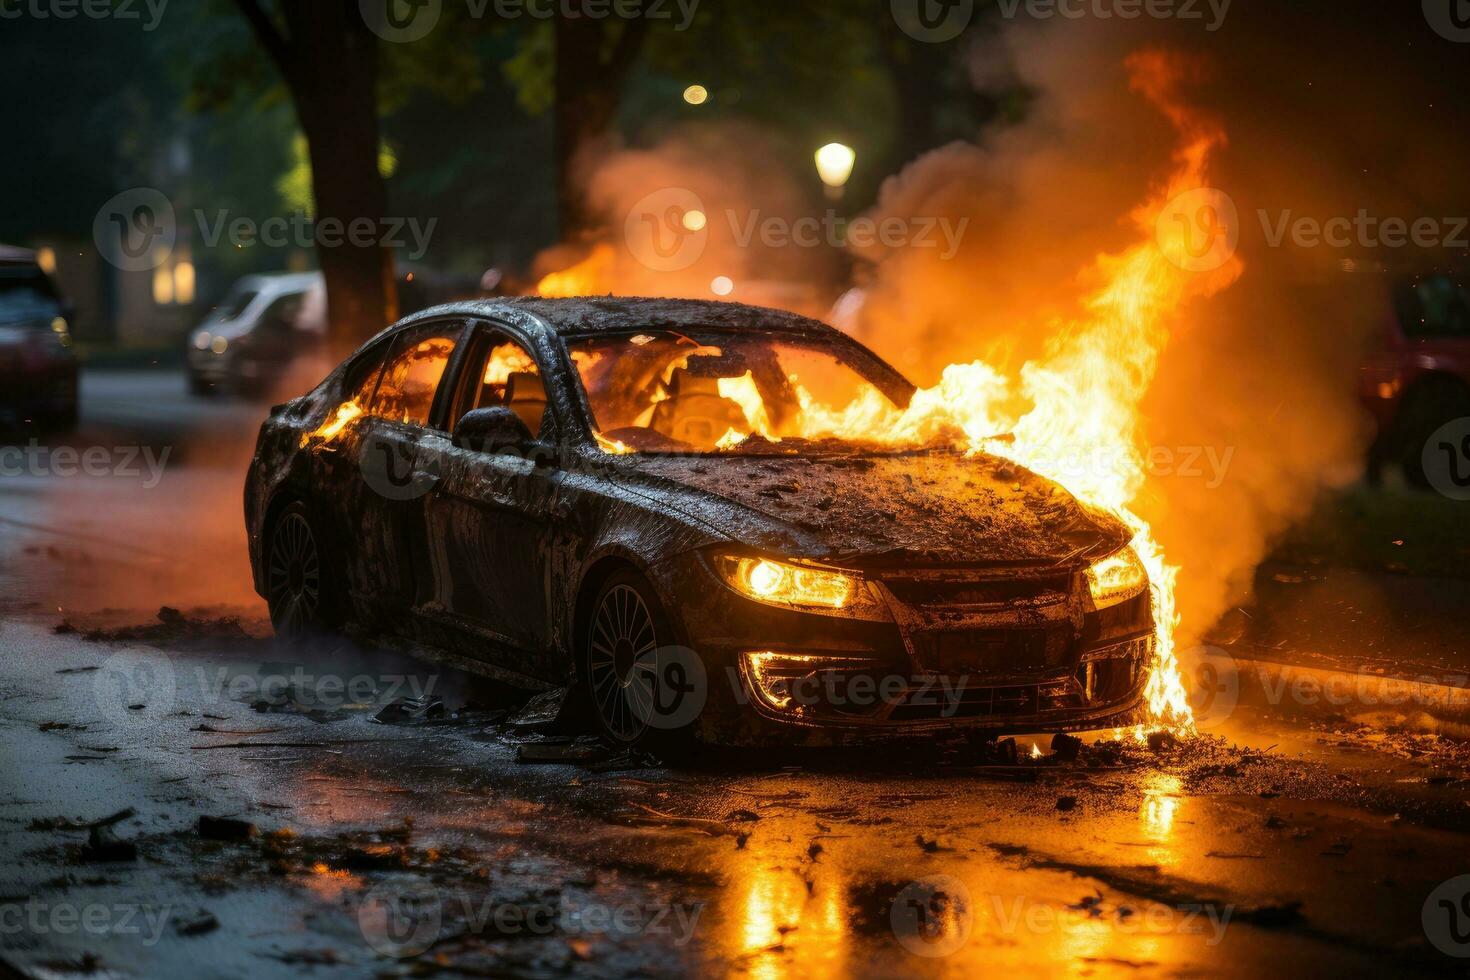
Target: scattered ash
x,y
174,630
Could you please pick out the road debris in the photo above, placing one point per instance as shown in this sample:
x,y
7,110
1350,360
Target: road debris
x,y
103,845
406,711
225,828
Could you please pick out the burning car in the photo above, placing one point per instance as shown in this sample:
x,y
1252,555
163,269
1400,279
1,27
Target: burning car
x,y
649,502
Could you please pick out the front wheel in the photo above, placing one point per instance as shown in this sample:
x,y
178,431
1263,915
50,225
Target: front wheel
x,y
298,585
620,659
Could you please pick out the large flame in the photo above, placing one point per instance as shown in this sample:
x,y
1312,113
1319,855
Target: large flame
x,y
1083,424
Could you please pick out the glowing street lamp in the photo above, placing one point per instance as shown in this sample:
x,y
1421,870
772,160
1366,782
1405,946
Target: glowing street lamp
x,y
834,165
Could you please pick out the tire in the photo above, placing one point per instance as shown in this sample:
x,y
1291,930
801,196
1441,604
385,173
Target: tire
x,y
300,590
1427,406
625,627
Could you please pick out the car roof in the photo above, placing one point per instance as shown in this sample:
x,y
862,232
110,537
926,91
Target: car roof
x,y
280,282
616,314
10,255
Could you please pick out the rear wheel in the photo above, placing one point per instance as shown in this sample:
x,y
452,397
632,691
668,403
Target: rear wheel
x,y
624,632
298,585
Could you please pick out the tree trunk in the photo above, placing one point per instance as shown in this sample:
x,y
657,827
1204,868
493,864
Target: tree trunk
x,y
589,79
329,59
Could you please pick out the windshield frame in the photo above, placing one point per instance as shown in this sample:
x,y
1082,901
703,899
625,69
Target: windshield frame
x,y
882,375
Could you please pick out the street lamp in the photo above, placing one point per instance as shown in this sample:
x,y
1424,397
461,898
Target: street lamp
x,y
834,165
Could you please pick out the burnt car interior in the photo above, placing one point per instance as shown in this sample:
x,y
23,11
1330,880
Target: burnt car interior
x,y
500,373
669,392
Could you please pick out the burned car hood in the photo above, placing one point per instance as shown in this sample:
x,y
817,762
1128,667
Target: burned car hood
x,y
938,508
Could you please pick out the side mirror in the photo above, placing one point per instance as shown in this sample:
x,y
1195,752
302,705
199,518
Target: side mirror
x,y
493,430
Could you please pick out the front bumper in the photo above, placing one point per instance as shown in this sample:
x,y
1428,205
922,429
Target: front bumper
x,y
998,650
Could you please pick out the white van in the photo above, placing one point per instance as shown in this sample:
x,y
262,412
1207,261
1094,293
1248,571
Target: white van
x,y
263,325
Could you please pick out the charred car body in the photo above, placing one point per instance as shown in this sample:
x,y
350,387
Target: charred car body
x,y
597,494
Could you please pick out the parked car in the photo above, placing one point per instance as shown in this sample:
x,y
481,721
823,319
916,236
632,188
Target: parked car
x,y
1418,378
268,325
549,490
261,326
38,368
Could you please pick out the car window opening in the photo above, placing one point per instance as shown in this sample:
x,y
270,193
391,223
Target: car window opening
x,y
725,392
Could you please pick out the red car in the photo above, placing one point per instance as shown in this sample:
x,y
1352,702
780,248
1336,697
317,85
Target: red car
x,y
38,371
1419,379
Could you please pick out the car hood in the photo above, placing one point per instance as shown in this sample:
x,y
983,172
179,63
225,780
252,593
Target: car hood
x,y
937,508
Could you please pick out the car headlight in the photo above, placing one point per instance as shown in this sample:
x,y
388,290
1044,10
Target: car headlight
x,y
219,345
1116,578
202,339
796,586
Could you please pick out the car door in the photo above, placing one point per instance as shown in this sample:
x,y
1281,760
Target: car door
x,y
488,521
394,459
273,342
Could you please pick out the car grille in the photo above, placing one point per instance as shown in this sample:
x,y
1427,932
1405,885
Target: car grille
x,y
982,593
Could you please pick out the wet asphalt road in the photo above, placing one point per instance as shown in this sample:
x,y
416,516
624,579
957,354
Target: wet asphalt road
x,y
426,848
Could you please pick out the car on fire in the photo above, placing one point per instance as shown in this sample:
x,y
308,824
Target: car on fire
x,y
644,502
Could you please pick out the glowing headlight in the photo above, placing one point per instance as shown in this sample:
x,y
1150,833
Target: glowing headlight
x,y
202,339
798,586
219,345
1116,578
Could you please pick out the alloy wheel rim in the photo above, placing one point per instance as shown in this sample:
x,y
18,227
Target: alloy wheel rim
x,y
621,662
295,575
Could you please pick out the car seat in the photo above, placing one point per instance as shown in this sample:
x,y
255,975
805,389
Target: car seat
x,y
695,412
526,396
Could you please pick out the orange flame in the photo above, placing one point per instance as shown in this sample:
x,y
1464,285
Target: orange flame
x,y
1084,392
586,278
346,413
